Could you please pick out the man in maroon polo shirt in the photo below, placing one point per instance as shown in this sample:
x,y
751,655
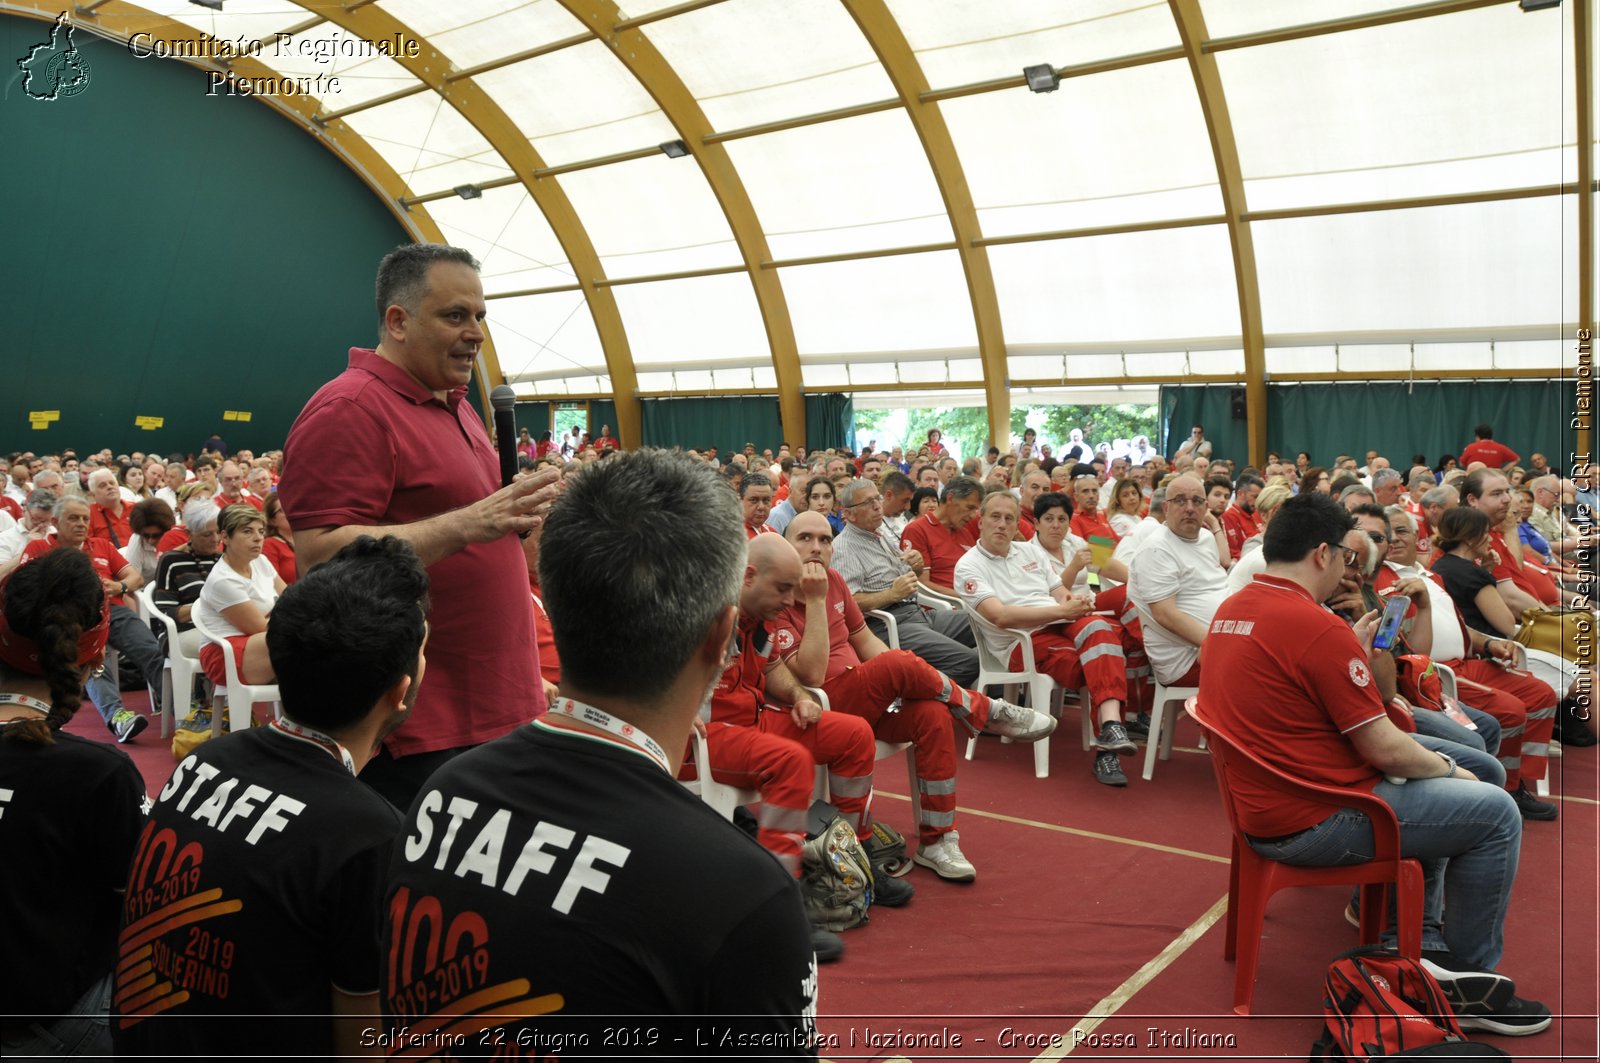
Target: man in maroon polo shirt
x,y
392,447
944,535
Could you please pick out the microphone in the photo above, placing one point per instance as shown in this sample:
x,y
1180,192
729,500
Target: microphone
x,y
504,401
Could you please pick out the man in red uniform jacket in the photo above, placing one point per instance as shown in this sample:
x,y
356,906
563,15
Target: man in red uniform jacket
x,y
825,641
1240,520
943,536
765,734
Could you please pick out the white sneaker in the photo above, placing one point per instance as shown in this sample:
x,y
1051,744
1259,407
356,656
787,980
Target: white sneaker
x,y
946,859
1017,723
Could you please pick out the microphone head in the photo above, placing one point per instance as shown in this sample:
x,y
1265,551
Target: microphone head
x,y
503,398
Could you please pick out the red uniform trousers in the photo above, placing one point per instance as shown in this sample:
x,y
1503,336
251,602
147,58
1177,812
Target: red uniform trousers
x,y
1141,691
923,719
1525,707
778,759
1084,652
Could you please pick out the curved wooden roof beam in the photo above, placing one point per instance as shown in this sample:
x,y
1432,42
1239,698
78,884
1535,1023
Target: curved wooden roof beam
x,y
1213,102
636,52
888,40
432,67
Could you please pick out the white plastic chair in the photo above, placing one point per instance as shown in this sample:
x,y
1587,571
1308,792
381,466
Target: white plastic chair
x,y
720,796
1447,687
241,695
177,678
1164,712
996,671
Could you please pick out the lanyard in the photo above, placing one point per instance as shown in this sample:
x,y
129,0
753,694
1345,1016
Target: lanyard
x,y
26,702
316,738
623,730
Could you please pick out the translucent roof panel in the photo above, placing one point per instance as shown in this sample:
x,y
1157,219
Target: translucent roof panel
x,y
545,336
254,19
900,303
964,41
755,379
1233,18
429,144
491,29
328,50
1442,267
577,104
755,61
1166,284
696,320
508,234
1125,146
852,185
1483,355
1463,102
651,215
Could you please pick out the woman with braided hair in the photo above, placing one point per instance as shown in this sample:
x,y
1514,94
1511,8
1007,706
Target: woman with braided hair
x,y
70,813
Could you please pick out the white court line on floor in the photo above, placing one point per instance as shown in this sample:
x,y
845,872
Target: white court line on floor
x,y
1119,996
1059,829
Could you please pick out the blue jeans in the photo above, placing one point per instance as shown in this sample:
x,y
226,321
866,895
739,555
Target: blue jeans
x,y
83,1031
131,638
1436,724
1467,835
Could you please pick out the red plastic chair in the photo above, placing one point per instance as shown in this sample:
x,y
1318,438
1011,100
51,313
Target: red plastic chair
x,y
1253,879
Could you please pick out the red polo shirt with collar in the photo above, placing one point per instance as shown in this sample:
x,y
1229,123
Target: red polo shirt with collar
x,y
940,547
104,524
106,559
1288,680
375,447
1240,526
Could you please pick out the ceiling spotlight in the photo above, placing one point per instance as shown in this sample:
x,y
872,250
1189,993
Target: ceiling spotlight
x,y
1042,78
674,149
1539,5
468,191
214,5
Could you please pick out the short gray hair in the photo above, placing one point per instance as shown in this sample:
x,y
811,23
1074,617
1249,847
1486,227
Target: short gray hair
x,y
39,498
201,517
1440,496
1383,476
101,472
1393,512
847,493
59,509
1356,489
649,535
962,487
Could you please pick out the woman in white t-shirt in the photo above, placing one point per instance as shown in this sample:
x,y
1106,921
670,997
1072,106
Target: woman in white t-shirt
x,y
238,597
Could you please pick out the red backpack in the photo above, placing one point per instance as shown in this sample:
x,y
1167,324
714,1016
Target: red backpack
x,y
1380,1005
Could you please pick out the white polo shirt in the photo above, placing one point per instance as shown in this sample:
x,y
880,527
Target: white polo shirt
x,y
1168,566
1022,577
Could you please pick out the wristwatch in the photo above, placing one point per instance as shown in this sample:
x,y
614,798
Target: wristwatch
x,y
1449,762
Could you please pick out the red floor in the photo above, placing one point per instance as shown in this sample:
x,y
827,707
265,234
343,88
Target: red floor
x,y
1057,949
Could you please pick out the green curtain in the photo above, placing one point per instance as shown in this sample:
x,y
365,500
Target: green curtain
x,y
535,417
725,423
830,421
1432,418
602,413
1395,418
1207,405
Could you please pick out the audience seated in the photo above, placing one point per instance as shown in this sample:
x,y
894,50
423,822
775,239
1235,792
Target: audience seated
x,y
148,523
238,597
944,536
1009,584
1177,581
108,513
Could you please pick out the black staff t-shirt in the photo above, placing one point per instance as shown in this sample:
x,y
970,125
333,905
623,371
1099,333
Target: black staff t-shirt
x,y
254,892
557,894
69,815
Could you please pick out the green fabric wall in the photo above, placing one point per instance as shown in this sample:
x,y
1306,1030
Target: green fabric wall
x,y
535,417
1207,405
172,255
726,423
602,413
830,421
1396,419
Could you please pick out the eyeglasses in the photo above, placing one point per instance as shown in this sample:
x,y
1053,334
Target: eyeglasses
x,y
876,503
1180,501
1351,556
151,537
1377,537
